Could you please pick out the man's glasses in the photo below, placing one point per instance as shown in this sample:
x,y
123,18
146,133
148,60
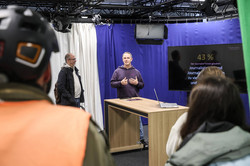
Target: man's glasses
x,y
72,59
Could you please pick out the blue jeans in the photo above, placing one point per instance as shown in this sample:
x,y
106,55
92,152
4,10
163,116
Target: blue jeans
x,y
141,129
77,100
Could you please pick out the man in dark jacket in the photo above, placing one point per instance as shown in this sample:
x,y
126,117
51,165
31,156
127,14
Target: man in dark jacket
x,y
69,83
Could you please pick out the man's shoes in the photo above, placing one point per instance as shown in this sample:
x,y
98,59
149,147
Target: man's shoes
x,y
145,144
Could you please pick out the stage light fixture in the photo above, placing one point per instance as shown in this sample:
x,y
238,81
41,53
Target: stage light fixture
x,y
61,24
97,19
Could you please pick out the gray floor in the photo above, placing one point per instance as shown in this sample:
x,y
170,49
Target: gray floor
x,y
134,157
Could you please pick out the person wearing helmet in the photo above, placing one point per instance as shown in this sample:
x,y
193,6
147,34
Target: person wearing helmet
x,y
33,130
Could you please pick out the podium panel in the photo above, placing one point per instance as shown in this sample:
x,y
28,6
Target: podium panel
x,y
122,125
124,129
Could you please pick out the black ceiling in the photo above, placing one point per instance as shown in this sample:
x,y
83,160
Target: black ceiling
x,y
130,11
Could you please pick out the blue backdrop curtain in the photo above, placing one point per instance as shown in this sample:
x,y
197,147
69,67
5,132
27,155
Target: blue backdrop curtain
x,y
152,60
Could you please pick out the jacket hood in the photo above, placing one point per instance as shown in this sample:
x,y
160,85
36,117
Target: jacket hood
x,y
122,67
204,146
65,65
22,92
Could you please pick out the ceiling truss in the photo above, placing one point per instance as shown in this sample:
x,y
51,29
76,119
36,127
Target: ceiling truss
x,y
128,11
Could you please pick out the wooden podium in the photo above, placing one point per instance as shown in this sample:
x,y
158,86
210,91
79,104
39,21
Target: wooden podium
x,y
122,125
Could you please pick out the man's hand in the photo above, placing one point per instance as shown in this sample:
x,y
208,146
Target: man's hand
x,y
133,81
124,81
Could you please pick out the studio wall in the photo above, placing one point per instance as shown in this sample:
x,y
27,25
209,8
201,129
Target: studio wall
x,y
152,60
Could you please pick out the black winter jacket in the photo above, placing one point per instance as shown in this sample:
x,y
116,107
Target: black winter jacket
x,y
66,86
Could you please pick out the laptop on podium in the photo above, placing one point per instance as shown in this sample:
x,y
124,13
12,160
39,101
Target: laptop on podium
x,y
164,104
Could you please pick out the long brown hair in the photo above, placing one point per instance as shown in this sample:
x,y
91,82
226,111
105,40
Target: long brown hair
x,y
214,99
210,71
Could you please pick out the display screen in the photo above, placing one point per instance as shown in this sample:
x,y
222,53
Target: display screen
x,y
186,62
149,31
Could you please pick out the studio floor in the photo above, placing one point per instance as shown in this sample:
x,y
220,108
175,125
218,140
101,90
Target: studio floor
x,y
134,157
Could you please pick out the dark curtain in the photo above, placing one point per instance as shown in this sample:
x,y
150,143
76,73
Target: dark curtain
x,y
152,60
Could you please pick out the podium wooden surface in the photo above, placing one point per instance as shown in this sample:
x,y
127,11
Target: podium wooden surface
x,y
122,125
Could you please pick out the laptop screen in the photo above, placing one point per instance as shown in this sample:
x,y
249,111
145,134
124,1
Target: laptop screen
x,y
156,95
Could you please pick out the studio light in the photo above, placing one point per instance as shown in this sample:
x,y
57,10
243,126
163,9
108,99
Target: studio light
x,y
223,8
97,19
61,24
211,7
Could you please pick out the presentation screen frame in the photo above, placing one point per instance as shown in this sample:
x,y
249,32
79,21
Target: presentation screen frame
x,y
185,63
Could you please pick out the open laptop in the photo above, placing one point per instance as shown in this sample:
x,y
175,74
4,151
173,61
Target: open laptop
x,y
164,104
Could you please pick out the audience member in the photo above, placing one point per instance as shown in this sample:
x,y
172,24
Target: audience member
x,y
215,132
128,81
174,138
69,83
33,130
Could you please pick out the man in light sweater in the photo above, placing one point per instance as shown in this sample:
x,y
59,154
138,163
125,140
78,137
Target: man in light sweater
x,y
69,83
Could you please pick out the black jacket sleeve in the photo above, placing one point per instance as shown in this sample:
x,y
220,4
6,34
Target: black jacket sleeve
x,y
65,88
